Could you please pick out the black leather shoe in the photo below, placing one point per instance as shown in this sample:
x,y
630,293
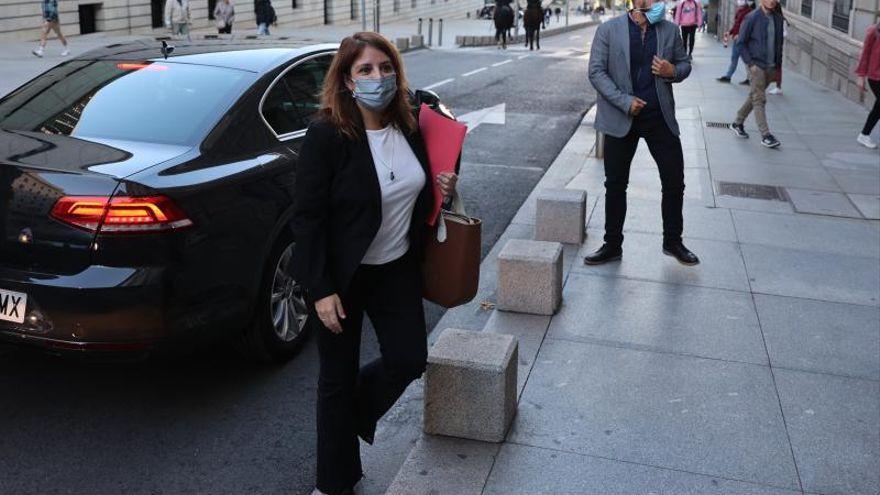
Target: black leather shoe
x,y
604,254
681,253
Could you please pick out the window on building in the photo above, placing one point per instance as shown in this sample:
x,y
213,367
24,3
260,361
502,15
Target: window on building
x,y
840,15
211,5
807,8
293,4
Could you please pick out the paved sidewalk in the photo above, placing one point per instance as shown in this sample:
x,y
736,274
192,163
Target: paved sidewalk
x,y
756,372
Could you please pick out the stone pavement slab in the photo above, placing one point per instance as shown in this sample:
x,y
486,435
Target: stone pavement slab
x,y
525,469
698,415
721,264
645,216
833,204
529,331
808,232
445,466
813,275
820,336
867,204
834,425
664,317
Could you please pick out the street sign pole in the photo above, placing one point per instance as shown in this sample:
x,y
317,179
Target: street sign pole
x,y
363,15
566,13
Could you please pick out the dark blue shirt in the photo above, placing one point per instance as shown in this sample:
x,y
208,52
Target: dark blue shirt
x,y
641,54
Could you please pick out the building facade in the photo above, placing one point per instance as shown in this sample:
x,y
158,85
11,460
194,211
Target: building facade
x,y
824,40
20,19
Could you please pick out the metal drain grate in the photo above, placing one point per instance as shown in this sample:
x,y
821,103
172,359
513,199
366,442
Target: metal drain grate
x,y
718,125
750,191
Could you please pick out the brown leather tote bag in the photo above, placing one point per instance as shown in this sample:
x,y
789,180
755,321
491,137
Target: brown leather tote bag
x,y
451,270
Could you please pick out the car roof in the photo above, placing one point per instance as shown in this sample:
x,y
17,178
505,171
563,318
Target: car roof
x,y
250,55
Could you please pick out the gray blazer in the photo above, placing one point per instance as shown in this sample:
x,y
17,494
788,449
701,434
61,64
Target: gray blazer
x,y
609,74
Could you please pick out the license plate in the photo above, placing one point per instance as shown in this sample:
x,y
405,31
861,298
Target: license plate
x,y
12,306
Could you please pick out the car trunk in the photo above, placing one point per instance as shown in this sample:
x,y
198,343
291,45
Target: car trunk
x,y
36,169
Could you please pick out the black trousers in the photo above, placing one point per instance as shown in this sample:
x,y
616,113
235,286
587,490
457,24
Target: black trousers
x,y
352,399
874,115
688,37
225,30
665,148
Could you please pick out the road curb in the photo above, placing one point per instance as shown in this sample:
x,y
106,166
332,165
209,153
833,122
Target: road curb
x,y
468,41
438,464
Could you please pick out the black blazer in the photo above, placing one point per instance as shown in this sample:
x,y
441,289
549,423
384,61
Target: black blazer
x,y
338,207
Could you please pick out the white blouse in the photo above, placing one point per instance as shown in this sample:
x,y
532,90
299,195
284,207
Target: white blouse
x,y
401,179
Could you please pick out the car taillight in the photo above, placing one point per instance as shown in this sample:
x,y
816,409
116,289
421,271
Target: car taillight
x,y
120,215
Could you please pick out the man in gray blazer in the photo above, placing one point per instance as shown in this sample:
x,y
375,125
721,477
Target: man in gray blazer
x,y
634,60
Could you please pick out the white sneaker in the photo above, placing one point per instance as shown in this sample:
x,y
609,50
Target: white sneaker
x,y
774,91
866,141
65,52
38,51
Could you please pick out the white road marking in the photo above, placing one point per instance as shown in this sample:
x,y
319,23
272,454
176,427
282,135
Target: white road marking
x,y
502,63
577,36
438,84
467,74
522,57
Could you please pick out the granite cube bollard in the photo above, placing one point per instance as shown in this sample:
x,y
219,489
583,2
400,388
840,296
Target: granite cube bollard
x,y
530,277
470,385
416,41
560,215
402,44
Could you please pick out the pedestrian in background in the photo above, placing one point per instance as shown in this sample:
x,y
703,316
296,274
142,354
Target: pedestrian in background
x,y
760,46
50,23
732,35
363,193
689,16
177,17
224,16
869,70
265,15
635,101
777,75
705,18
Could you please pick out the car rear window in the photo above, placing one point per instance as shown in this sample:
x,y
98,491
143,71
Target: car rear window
x,y
137,101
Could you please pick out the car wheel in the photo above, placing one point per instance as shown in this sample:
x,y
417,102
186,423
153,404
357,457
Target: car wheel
x,y
281,317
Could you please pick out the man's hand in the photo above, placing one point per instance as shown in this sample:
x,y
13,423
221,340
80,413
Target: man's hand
x,y
662,68
637,105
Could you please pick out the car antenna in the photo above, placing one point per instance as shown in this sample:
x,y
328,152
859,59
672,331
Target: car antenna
x,y
167,49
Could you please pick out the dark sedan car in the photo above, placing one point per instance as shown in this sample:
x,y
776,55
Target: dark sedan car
x,y
146,198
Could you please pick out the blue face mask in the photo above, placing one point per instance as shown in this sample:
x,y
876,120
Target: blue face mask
x,y
375,94
656,13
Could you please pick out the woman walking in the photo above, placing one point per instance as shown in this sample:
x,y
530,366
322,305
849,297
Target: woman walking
x,y
265,15
869,70
177,17
224,16
363,194
50,23
689,16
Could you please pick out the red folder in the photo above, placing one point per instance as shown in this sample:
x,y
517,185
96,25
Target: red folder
x,y
443,140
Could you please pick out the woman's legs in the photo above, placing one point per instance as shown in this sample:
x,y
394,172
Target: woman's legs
x,y
398,315
56,26
351,400
874,115
688,37
338,454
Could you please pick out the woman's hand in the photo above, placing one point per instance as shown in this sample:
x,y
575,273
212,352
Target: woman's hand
x,y
447,183
860,82
330,312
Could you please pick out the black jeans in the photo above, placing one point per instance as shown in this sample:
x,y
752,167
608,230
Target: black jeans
x,y
874,116
665,147
688,36
352,399
225,30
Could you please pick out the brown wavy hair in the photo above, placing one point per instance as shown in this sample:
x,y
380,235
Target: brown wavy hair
x,y
337,104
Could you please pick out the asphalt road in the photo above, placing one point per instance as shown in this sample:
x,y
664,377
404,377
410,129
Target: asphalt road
x,y
208,423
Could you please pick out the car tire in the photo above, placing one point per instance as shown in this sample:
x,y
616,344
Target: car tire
x,y
281,320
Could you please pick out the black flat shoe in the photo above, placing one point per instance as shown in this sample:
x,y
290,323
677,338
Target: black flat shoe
x,y
681,253
604,254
